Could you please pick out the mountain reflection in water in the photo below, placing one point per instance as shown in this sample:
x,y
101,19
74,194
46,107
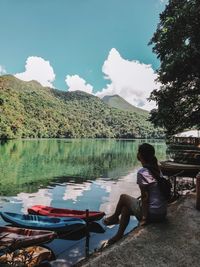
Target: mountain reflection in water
x,y
75,174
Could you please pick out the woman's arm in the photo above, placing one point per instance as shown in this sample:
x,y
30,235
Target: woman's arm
x,y
145,204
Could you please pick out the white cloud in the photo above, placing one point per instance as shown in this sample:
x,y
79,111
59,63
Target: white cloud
x,y
74,191
43,196
75,82
164,2
126,184
38,69
131,80
2,70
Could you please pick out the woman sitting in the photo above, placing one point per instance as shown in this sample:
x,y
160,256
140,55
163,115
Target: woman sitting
x,y
153,205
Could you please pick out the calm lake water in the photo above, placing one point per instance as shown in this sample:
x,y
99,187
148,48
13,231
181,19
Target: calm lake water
x,y
78,174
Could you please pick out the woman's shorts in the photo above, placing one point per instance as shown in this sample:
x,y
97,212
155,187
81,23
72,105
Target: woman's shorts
x,y
136,208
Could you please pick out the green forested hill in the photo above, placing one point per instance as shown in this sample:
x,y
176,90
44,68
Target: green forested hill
x,y
117,101
29,110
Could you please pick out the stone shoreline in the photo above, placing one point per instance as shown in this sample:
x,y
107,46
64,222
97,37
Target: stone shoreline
x,y
175,242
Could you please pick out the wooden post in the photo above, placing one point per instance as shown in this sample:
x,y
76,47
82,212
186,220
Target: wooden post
x,y
87,216
87,240
198,191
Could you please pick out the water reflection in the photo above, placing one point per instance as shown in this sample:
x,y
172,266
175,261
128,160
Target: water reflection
x,y
76,174
27,200
26,165
75,191
100,194
126,184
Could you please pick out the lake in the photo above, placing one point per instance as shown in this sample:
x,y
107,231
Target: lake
x,y
68,173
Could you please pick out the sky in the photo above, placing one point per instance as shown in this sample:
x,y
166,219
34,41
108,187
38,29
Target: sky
x,y
98,46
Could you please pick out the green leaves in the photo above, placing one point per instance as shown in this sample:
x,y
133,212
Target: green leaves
x,y
177,43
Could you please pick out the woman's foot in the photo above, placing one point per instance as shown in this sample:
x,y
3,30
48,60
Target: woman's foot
x,y
114,239
111,241
111,220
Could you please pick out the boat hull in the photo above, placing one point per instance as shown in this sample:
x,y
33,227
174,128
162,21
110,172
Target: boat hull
x,y
43,222
183,170
57,212
13,238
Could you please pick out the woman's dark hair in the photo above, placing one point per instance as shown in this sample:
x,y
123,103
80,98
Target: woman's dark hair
x,y
147,152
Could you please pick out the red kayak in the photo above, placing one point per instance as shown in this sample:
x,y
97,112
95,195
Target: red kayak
x,y
57,212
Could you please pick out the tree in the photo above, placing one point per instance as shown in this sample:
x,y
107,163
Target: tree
x,y
177,44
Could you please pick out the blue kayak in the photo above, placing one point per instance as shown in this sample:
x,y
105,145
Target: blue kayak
x,y
57,224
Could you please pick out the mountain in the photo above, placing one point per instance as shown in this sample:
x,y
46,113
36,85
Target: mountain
x,y
116,101
29,110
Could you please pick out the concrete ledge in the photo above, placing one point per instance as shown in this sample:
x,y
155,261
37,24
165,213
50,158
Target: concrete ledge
x,y
173,243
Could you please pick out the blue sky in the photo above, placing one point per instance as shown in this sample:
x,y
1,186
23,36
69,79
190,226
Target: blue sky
x,y
81,43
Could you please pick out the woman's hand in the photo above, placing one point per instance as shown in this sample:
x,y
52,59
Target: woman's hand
x,y
145,205
143,221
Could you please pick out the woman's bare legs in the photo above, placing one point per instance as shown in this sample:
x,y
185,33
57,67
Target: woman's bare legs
x,y
123,208
124,220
